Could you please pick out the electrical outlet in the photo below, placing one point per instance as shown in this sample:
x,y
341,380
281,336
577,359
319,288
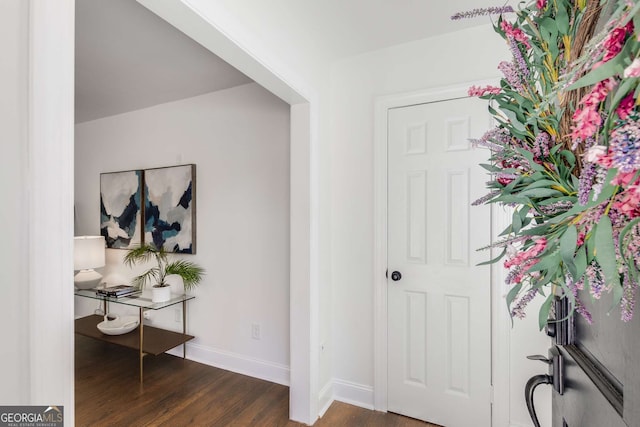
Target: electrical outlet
x,y
177,315
146,314
255,331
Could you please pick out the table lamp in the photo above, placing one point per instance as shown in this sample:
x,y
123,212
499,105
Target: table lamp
x,y
88,254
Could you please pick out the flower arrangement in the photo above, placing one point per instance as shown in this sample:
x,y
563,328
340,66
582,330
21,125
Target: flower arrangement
x,y
565,154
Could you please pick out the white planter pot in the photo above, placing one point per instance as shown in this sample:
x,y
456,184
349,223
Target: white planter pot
x,y
160,294
176,283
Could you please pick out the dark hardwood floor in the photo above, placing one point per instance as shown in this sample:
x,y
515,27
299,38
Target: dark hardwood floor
x,y
180,392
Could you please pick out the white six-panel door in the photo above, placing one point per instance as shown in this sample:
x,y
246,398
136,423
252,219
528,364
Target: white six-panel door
x,y
439,326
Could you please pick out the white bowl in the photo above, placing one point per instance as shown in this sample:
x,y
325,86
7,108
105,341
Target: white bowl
x,y
119,325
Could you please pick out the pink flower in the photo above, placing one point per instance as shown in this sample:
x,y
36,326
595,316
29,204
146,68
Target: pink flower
x,y
481,91
587,119
601,90
605,161
587,122
541,4
623,179
613,43
527,258
505,181
629,202
515,33
615,40
598,93
626,106
633,70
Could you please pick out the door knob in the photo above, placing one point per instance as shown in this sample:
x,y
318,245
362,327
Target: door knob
x,y
534,382
555,378
395,276
550,329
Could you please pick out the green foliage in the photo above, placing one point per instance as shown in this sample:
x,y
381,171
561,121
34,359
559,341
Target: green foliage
x,y
190,272
567,234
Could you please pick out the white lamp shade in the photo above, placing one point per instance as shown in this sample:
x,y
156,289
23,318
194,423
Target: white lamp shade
x,y
88,252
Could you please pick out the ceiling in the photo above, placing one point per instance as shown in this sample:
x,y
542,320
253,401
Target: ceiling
x,y
127,58
351,27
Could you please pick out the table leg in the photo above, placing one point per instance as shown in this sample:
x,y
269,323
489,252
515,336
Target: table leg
x,y
141,341
184,328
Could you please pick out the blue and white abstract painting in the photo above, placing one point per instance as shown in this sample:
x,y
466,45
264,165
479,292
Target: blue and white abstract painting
x,y
169,208
120,208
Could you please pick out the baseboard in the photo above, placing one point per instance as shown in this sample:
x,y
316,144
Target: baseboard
x,y
240,364
353,394
325,398
340,390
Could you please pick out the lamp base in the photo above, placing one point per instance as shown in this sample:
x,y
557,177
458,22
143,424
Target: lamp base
x,y
87,279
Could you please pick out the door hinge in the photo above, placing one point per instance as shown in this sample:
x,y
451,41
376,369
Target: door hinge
x,y
491,395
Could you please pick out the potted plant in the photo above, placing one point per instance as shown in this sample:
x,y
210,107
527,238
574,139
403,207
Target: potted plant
x,y
190,272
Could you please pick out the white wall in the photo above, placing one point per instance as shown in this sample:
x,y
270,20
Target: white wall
x,y
239,140
447,60
13,252
36,80
50,203
274,50
341,163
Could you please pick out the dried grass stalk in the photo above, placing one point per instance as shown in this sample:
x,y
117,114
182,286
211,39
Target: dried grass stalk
x,y
570,99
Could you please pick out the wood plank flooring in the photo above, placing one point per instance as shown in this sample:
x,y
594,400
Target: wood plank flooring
x,y
180,392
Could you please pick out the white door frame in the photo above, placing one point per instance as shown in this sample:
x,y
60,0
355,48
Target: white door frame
x,y
47,181
499,317
49,184
225,40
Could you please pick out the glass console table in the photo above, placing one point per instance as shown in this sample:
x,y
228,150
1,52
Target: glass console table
x,y
149,340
